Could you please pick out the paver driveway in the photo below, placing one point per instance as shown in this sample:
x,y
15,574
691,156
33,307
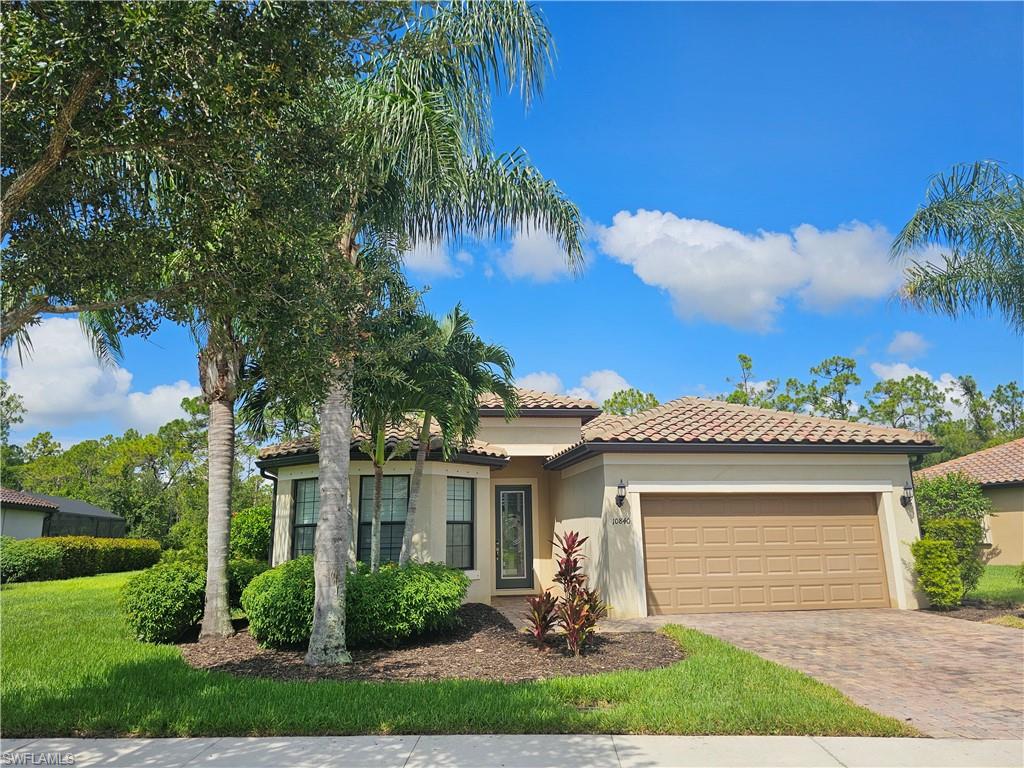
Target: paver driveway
x,y
947,677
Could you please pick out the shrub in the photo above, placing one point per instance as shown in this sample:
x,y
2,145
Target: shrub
x,y
580,608
240,573
80,555
954,497
29,560
250,533
397,603
967,537
279,604
89,555
541,617
162,603
938,572
1019,574
384,608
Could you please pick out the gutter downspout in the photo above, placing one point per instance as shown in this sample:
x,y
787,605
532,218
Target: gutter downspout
x,y
273,513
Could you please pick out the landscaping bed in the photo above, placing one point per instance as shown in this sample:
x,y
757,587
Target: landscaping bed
x,y
484,647
977,610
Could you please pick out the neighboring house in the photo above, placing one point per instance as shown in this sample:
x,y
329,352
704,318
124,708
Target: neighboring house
x,y
22,516
1000,472
723,507
28,515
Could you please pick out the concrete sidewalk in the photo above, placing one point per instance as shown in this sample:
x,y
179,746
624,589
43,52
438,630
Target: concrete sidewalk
x,y
520,752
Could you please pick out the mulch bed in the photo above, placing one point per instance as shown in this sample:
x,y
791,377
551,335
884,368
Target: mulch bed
x,y
484,647
978,610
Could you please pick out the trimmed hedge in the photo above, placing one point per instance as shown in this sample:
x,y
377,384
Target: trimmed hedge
x,y
382,609
29,560
279,604
966,536
938,572
34,559
162,603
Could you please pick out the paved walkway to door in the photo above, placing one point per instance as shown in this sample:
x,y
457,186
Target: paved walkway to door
x,y
947,677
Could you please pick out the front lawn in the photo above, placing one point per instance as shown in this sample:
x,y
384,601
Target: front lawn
x,y
69,667
999,585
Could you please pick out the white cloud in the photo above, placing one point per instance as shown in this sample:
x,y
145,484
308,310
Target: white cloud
x,y
542,381
599,385
743,280
946,382
534,255
907,344
62,384
433,259
596,385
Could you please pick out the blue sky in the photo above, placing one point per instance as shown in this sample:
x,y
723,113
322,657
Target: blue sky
x,y
743,167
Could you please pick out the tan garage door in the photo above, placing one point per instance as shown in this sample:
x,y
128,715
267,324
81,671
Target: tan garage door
x,y
765,552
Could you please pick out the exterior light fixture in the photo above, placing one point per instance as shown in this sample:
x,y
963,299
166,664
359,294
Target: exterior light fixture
x,y
908,495
620,495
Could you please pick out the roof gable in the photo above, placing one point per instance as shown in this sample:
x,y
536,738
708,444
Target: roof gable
x,y
999,465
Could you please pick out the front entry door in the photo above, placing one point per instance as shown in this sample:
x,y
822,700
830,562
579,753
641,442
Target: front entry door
x,y
513,544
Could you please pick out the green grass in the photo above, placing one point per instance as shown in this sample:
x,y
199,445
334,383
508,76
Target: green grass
x,y
69,667
999,585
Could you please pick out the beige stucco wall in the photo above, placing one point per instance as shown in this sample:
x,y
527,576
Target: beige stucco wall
x,y
1006,526
531,435
21,523
429,536
585,501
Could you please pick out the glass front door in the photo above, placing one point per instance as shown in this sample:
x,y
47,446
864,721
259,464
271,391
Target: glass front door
x,y
513,546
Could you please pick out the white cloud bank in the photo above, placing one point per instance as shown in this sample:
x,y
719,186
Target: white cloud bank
x,y
534,255
596,385
433,259
907,344
743,280
62,384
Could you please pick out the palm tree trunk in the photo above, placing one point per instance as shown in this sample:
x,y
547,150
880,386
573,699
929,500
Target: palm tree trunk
x,y
334,528
219,371
414,490
378,490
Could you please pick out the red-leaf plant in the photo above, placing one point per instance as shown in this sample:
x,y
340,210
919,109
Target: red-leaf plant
x,y
579,610
542,618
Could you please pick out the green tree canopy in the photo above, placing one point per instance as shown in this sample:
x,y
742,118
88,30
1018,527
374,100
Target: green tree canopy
x,y
626,402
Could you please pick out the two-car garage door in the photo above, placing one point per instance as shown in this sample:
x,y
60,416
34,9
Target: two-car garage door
x,y
762,552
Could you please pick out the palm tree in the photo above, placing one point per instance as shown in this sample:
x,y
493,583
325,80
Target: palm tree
x,y
221,361
455,369
975,216
414,133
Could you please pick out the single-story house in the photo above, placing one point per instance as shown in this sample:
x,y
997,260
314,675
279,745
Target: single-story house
x,y
25,515
693,506
1000,472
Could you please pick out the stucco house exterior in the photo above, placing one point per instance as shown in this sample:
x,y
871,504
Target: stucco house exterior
x,y
693,506
25,515
1000,473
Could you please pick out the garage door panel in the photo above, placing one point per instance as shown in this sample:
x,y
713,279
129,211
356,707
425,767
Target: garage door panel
x,y
762,552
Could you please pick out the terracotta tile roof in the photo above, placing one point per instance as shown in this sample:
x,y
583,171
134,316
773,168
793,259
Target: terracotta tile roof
x,y
1000,464
695,420
532,399
21,499
395,434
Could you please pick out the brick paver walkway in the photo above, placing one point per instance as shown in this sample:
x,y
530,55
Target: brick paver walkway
x,y
947,677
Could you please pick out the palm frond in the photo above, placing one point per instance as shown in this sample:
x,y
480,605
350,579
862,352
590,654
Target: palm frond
x,y
101,331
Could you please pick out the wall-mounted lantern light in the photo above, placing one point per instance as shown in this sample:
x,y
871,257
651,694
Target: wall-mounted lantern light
x,y
620,495
908,495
